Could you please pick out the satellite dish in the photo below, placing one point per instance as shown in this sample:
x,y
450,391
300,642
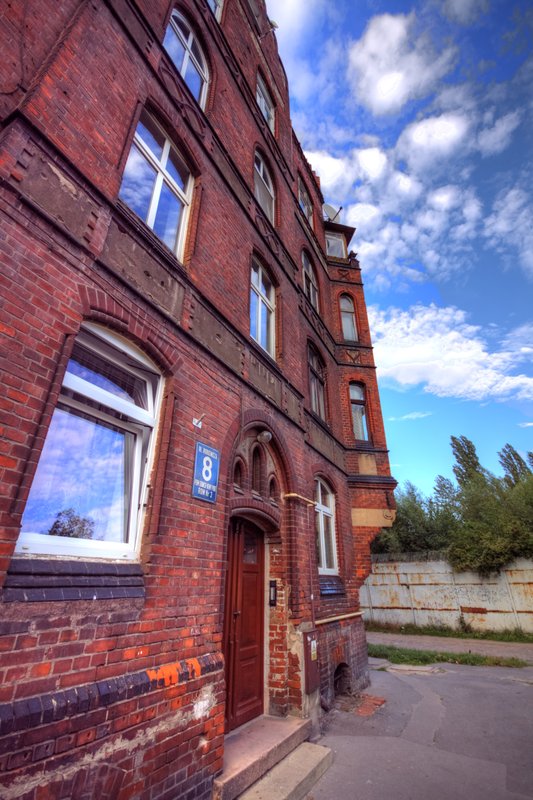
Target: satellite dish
x,y
330,212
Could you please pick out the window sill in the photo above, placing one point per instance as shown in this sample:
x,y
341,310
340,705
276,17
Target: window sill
x,y
45,579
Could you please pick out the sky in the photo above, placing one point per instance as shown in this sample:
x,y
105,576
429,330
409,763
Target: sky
x,y
418,118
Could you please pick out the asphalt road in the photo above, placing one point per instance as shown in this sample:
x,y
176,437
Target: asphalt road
x,y
443,733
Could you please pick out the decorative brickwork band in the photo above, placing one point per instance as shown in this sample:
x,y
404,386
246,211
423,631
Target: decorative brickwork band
x,y
54,706
37,580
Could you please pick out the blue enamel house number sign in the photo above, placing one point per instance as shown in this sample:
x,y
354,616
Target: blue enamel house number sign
x,y
205,482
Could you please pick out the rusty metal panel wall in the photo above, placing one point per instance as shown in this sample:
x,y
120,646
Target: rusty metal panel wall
x,y
430,593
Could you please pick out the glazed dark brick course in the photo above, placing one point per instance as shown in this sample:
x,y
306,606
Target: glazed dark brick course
x,y
41,580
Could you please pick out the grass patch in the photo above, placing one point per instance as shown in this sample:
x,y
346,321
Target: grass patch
x,y
515,635
403,655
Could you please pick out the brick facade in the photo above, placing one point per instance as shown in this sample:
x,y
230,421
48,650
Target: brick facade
x,y
112,667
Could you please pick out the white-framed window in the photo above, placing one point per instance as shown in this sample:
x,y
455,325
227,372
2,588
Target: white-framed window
x,y
157,185
216,8
317,382
263,187
88,491
326,548
262,309
305,202
335,245
310,281
358,407
265,103
349,326
184,49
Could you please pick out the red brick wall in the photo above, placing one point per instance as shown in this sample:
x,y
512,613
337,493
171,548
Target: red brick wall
x,y
121,694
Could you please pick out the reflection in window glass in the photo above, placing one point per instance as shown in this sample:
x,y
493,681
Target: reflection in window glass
x,y
325,529
335,245
265,103
157,187
167,218
357,403
263,187
349,329
216,7
317,380
262,309
305,202
183,48
92,470
310,281
82,484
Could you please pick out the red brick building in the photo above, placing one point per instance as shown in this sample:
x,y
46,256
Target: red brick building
x,y
192,454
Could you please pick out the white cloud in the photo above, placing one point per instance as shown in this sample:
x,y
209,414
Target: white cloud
x,y
464,11
404,186
411,415
497,138
444,198
423,144
438,349
337,175
372,162
525,424
511,224
387,67
363,216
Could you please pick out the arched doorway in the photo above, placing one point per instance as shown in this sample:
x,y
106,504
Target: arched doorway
x,y
244,624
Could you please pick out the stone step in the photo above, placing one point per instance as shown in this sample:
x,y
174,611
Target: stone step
x,y
254,748
293,777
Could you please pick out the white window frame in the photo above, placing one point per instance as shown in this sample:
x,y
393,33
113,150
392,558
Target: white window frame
x,y
332,242
358,407
265,103
348,319
266,303
323,512
163,177
310,281
305,202
216,8
263,186
141,422
187,44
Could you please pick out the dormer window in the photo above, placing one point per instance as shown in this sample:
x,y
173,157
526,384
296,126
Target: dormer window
x,y
336,245
265,102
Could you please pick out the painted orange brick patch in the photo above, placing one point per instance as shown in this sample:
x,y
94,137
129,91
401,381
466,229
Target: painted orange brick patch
x,y
368,705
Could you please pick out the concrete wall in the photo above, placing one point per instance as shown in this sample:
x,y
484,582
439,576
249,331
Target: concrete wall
x,y
430,593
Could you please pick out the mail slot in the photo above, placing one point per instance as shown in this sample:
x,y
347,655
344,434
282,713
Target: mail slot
x,y
312,670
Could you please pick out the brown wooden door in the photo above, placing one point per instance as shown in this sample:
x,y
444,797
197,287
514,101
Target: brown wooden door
x,y
243,633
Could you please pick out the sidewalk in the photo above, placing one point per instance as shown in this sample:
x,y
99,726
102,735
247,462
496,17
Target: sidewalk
x,y
445,644
451,732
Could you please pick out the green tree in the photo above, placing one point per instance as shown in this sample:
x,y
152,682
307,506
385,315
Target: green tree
x,y
513,465
419,525
466,460
68,523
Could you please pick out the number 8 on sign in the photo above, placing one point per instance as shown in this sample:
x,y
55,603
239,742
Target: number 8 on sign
x,y
207,470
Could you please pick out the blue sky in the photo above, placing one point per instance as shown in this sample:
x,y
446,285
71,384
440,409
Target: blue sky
x,y
418,117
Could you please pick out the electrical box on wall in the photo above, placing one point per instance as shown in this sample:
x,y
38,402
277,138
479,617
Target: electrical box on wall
x,y
312,671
